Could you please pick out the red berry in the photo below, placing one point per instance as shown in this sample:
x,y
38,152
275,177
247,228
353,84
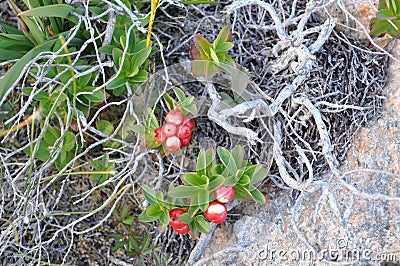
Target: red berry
x,y
185,132
189,122
216,212
160,136
182,230
169,130
185,142
174,117
224,194
173,144
173,218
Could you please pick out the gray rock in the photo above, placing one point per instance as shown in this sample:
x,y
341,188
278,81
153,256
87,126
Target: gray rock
x,y
368,195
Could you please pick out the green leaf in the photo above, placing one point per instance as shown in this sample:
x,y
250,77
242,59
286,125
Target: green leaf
x,y
108,49
34,32
140,129
145,242
6,55
125,211
139,46
118,246
231,181
229,61
379,27
183,191
164,218
117,56
127,67
95,96
396,3
187,101
184,218
42,153
69,141
217,169
62,160
144,217
244,179
202,225
132,240
15,42
238,155
51,135
223,36
130,70
227,160
41,96
98,165
140,57
216,182
205,161
385,14
57,10
180,94
393,5
203,46
257,196
10,29
214,55
256,173
105,126
139,78
170,101
194,206
241,193
203,200
149,195
160,197
14,72
154,210
205,68
224,47
116,84
153,144
193,179
392,31
129,220
150,250
116,215
117,236
191,109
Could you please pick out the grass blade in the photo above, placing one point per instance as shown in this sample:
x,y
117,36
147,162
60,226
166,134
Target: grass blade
x,y
12,75
57,10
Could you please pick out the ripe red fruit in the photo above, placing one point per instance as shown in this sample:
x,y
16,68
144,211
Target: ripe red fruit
x,y
188,122
174,117
216,212
173,144
185,142
174,218
169,130
224,194
182,230
185,132
160,136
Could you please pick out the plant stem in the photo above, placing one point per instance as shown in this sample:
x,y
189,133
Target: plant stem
x,y
154,5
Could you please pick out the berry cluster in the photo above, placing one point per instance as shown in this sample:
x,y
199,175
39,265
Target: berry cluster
x,y
216,211
176,132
